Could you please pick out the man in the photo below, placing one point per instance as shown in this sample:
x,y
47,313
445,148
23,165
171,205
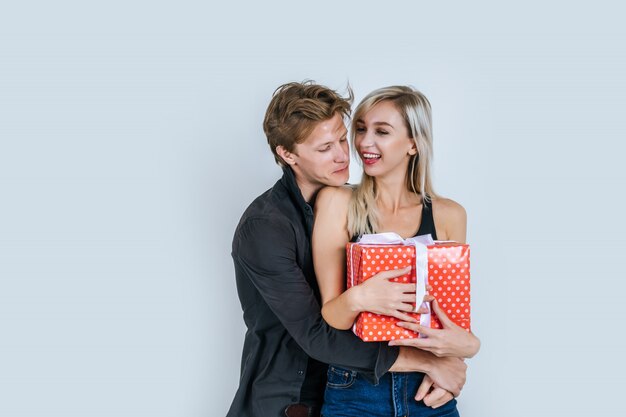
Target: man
x,y
288,344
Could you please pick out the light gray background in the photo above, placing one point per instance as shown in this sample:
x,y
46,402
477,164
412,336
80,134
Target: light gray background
x,y
131,143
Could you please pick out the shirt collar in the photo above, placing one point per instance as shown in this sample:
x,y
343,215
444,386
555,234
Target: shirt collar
x,y
289,182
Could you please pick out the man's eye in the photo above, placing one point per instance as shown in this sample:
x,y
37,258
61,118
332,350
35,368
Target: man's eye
x,y
343,140
326,149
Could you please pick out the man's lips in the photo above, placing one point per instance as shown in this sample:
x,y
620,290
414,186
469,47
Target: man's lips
x,y
340,170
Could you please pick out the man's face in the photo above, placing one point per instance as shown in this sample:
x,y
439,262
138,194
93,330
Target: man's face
x,y
323,158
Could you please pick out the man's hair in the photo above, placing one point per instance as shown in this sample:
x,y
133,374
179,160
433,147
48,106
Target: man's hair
x,y
296,108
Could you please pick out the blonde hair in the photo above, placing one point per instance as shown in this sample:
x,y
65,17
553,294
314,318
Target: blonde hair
x,y
295,110
415,110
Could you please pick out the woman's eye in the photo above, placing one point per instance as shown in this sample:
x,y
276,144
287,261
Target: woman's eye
x,y
382,132
360,129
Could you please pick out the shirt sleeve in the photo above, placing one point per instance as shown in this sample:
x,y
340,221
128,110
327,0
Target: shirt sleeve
x,y
264,251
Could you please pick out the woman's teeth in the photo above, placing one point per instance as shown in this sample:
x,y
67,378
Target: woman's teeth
x,y
371,156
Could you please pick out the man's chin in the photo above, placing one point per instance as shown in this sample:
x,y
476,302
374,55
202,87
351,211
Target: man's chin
x,y
337,180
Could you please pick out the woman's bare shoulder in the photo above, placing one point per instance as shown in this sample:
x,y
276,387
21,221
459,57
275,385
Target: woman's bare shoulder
x,y
450,219
448,208
334,196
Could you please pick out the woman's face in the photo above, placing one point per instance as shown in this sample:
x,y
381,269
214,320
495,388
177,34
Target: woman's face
x,y
382,141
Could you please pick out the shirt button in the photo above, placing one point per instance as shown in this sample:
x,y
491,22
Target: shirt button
x,y
300,372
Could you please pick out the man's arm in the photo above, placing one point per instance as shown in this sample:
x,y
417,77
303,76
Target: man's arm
x,y
264,252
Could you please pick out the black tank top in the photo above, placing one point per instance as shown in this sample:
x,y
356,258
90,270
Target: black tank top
x,y
427,224
428,221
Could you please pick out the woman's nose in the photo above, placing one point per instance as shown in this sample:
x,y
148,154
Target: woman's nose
x,y
366,140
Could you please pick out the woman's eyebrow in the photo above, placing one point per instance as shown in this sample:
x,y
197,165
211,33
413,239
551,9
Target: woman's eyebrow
x,y
374,123
382,123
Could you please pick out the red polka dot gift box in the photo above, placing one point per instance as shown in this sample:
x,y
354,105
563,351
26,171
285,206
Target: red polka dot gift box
x,y
445,266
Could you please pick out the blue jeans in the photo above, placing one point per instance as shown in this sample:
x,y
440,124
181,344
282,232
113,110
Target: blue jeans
x,y
348,394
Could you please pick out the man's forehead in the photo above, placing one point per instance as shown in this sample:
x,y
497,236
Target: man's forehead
x,y
327,130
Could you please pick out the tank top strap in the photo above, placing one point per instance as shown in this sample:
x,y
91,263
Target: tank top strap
x,y
356,238
427,225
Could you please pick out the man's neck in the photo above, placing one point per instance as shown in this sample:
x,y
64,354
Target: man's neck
x,y
308,190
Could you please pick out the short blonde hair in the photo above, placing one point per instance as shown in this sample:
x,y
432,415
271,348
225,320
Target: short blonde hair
x,y
296,108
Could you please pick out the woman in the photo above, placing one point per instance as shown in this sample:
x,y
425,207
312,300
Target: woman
x,y
391,133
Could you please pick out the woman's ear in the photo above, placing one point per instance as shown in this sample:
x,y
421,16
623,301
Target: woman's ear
x,y
287,156
413,148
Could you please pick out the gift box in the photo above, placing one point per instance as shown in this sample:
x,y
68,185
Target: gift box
x,y
445,266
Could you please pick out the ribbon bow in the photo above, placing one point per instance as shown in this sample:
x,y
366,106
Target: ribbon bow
x,y
421,263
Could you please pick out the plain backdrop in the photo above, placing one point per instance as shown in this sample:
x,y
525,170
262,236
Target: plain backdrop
x,y
131,142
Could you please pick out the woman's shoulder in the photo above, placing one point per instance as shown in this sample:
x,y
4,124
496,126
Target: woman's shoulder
x,y
334,195
450,219
448,208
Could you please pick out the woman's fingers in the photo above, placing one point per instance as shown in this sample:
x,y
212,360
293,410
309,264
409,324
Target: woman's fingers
x,y
442,316
423,309
407,287
406,298
401,316
417,328
392,273
404,307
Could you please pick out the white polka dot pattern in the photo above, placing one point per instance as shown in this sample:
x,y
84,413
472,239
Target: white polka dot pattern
x,y
448,275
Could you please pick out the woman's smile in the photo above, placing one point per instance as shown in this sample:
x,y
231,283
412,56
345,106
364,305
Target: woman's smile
x,y
370,158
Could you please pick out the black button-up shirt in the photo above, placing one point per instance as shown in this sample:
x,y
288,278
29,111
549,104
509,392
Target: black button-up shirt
x,y
288,344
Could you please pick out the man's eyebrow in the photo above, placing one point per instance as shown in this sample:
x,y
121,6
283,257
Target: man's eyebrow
x,y
345,135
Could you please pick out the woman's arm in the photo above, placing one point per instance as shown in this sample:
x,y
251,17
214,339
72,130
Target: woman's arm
x,y
451,340
330,236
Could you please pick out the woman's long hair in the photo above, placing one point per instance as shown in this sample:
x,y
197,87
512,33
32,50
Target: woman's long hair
x,y
416,112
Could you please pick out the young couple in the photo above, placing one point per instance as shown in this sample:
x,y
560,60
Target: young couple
x,y
290,269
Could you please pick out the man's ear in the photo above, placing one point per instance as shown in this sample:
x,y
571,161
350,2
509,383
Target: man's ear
x,y
287,156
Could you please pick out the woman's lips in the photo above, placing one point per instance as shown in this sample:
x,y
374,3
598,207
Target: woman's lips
x,y
369,158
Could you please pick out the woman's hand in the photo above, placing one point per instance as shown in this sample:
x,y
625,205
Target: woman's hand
x,y
452,340
381,296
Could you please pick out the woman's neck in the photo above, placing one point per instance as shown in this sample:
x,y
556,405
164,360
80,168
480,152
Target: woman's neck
x,y
393,194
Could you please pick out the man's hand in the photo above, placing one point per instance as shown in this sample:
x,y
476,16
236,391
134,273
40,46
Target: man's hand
x,y
452,340
432,395
448,373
